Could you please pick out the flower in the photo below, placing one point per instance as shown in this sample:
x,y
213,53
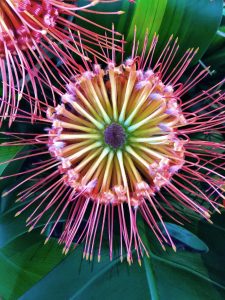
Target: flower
x,y
29,31
124,141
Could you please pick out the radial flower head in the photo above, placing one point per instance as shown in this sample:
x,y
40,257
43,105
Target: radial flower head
x,y
123,142
114,132
29,28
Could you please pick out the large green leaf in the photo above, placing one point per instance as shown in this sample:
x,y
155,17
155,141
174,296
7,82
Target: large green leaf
x,y
25,261
78,279
215,55
166,275
12,227
193,22
23,256
214,261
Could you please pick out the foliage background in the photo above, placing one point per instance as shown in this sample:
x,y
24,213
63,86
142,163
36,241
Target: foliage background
x,y
29,270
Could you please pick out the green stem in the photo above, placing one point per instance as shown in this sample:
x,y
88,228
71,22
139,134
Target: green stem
x,y
151,278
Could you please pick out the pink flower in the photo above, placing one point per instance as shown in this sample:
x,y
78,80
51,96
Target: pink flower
x,y
30,31
122,142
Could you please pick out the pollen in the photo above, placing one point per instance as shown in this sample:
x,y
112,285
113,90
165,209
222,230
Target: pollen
x,y
115,134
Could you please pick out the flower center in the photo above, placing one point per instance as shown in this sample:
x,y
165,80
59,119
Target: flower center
x,y
114,135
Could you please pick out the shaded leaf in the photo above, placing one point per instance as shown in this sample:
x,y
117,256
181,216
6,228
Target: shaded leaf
x,y
25,261
184,239
193,22
75,278
6,154
166,275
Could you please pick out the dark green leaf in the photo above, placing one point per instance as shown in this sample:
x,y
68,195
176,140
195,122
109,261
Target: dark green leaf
x,y
8,167
6,154
12,227
75,278
193,22
166,275
25,261
184,239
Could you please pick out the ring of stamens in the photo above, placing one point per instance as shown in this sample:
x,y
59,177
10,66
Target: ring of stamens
x,y
115,134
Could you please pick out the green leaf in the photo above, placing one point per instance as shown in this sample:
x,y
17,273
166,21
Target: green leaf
x,y
75,278
6,154
12,227
8,167
215,55
25,261
184,275
184,239
23,256
166,275
214,236
193,22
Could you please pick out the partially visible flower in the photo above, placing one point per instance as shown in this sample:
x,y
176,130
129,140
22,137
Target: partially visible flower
x,y
122,142
29,29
